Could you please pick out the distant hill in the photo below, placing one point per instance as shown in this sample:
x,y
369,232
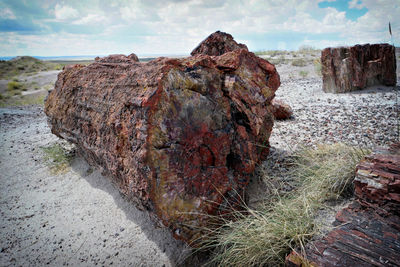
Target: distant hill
x,y
25,65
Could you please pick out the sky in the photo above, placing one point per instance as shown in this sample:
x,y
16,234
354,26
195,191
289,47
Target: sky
x,y
175,27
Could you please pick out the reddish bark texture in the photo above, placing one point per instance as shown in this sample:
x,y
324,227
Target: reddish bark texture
x,y
118,58
180,137
280,110
377,182
217,44
361,238
347,69
367,232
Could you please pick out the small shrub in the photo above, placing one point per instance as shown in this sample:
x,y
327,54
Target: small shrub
x,y
58,158
303,73
299,62
14,85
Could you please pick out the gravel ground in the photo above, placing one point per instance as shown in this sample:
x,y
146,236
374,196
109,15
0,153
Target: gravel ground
x,y
79,217
364,118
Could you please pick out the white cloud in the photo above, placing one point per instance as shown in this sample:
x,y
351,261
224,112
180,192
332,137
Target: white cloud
x,y
65,12
177,26
7,13
356,4
90,19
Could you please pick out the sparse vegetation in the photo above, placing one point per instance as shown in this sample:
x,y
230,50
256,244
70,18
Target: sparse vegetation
x,y
24,65
277,61
22,100
264,236
317,66
303,73
308,49
58,158
14,85
299,62
271,53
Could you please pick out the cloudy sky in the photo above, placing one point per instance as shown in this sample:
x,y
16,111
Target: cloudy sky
x,y
100,27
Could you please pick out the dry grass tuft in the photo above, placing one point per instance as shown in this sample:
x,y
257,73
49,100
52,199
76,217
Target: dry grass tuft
x,y
299,62
58,157
264,236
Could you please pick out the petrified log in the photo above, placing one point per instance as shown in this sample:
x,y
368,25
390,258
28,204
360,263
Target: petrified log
x,y
280,109
367,233
360,238
217,44
181,137
347,69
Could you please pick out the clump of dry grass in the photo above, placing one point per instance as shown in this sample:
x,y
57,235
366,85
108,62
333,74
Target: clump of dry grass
x,y
318,66
58,157
299,62
265,235
303,73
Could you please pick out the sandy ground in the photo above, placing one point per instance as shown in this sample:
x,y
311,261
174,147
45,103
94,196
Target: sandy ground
x,y
79,218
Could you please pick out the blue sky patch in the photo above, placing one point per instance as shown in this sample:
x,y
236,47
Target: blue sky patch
x,y
175,27
343,5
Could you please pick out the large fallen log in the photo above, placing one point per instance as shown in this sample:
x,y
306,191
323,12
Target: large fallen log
x,y
180,137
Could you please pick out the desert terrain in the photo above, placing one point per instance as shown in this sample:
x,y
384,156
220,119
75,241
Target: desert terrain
x,y
68,213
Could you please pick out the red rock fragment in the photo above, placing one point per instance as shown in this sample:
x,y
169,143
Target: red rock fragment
x,y
366,233
377,181
180,137
281,110
347,69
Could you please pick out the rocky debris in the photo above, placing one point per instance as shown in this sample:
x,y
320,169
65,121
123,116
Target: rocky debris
x,y
180,137
347,69
331,118
366,233
361,238
281,110
217,44
377,182
118,58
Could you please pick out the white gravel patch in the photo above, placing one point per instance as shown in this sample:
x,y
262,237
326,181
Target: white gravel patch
x,y
364,118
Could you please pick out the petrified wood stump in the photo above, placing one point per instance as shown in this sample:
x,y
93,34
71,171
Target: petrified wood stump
x,y
347,69
179,136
